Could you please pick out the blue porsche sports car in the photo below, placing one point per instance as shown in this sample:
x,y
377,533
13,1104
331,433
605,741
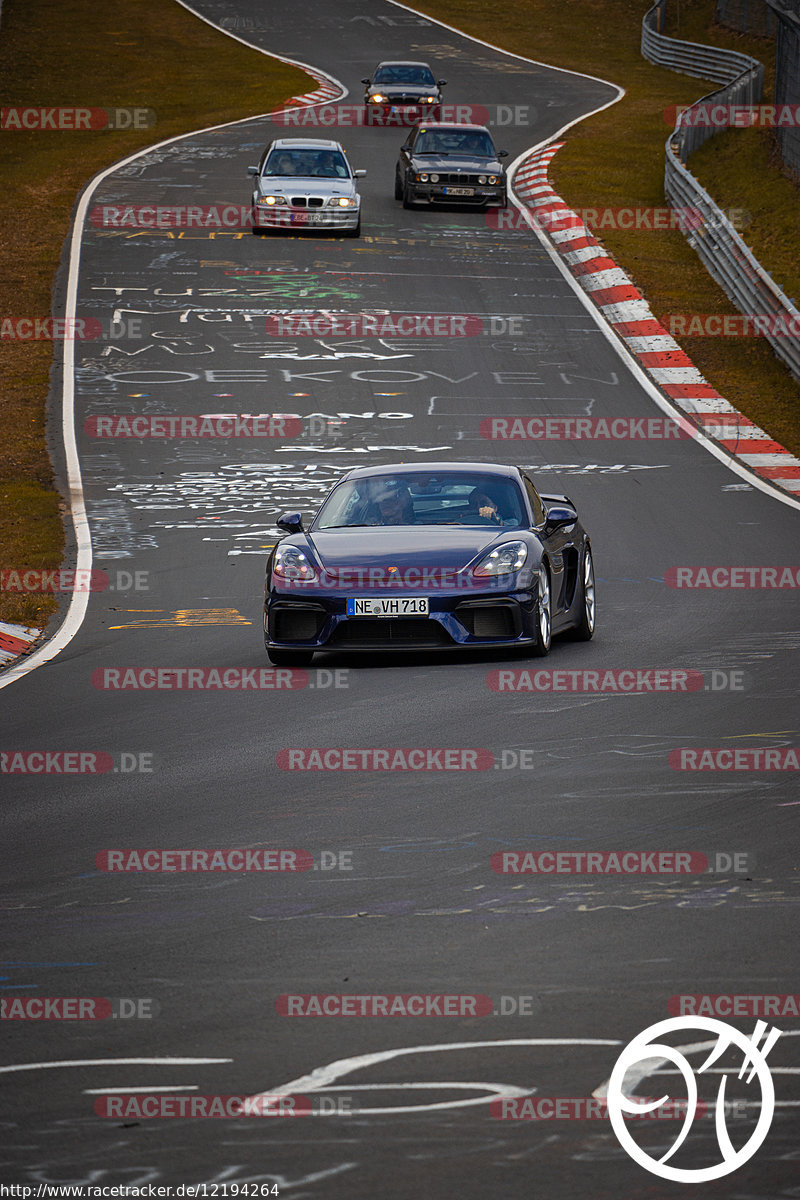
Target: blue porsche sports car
x,y
441,556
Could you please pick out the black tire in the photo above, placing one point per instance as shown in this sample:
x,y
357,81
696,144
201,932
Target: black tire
x,y
354,233
544,616
290,658
398,186
584,630
407,197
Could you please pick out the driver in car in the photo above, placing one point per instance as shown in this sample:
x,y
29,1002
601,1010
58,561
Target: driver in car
x,y
394,504
485,505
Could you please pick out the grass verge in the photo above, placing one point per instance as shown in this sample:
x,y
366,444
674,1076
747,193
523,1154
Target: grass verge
x,y
77,53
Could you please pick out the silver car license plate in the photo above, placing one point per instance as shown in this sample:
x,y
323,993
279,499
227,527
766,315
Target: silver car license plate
x,y
457,191
387,606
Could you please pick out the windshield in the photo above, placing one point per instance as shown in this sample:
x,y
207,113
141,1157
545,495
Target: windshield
x,y
419,498
322,164
421,76
473,143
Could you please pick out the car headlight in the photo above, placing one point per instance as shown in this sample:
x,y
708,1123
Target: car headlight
x,y
434,178
342,202
272,200
430,99
493,179
377,98
481,179
291,563
422,178
503,560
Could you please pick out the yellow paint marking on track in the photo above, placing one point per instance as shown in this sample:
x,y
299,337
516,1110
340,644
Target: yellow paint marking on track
x,y
734,737
187,618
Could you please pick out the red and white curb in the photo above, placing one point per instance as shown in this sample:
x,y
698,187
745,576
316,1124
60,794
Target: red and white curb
x,y
323,94
629,316
15,640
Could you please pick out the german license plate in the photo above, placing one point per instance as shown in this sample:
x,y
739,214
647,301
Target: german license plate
x,y
299,218
456,191
387,606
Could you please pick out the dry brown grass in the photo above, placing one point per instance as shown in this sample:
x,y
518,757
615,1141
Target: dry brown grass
x,y
149,54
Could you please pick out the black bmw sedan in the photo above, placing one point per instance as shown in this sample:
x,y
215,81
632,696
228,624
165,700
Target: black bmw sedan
x,y
450,164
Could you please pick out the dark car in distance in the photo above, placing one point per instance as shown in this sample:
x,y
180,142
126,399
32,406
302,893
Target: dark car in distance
x,y
395,84
442,556
450,164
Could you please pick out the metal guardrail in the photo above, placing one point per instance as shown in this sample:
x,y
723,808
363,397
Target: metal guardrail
x,y
724,254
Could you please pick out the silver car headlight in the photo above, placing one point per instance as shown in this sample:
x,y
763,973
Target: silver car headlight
x,y
377,98
291,563
503,560
422,178
342,202
434,178
430,99
271,200
481,179
494,179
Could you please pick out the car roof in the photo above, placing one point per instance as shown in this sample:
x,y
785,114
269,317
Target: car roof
x,y
304,144
453,125
402,62
501,470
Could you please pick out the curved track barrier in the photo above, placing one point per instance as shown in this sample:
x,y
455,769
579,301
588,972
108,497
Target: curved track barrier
x,y
724,254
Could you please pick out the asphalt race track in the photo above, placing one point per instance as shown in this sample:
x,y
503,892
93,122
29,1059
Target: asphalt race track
x,y
402,898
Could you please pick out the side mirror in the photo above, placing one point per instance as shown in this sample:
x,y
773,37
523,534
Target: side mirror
x,y
252,170
359,174
558,515
366,81
290,522
502,154
441,82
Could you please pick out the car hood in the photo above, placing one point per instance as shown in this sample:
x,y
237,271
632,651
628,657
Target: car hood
x,y
403,89
301,185
426,547
457,162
